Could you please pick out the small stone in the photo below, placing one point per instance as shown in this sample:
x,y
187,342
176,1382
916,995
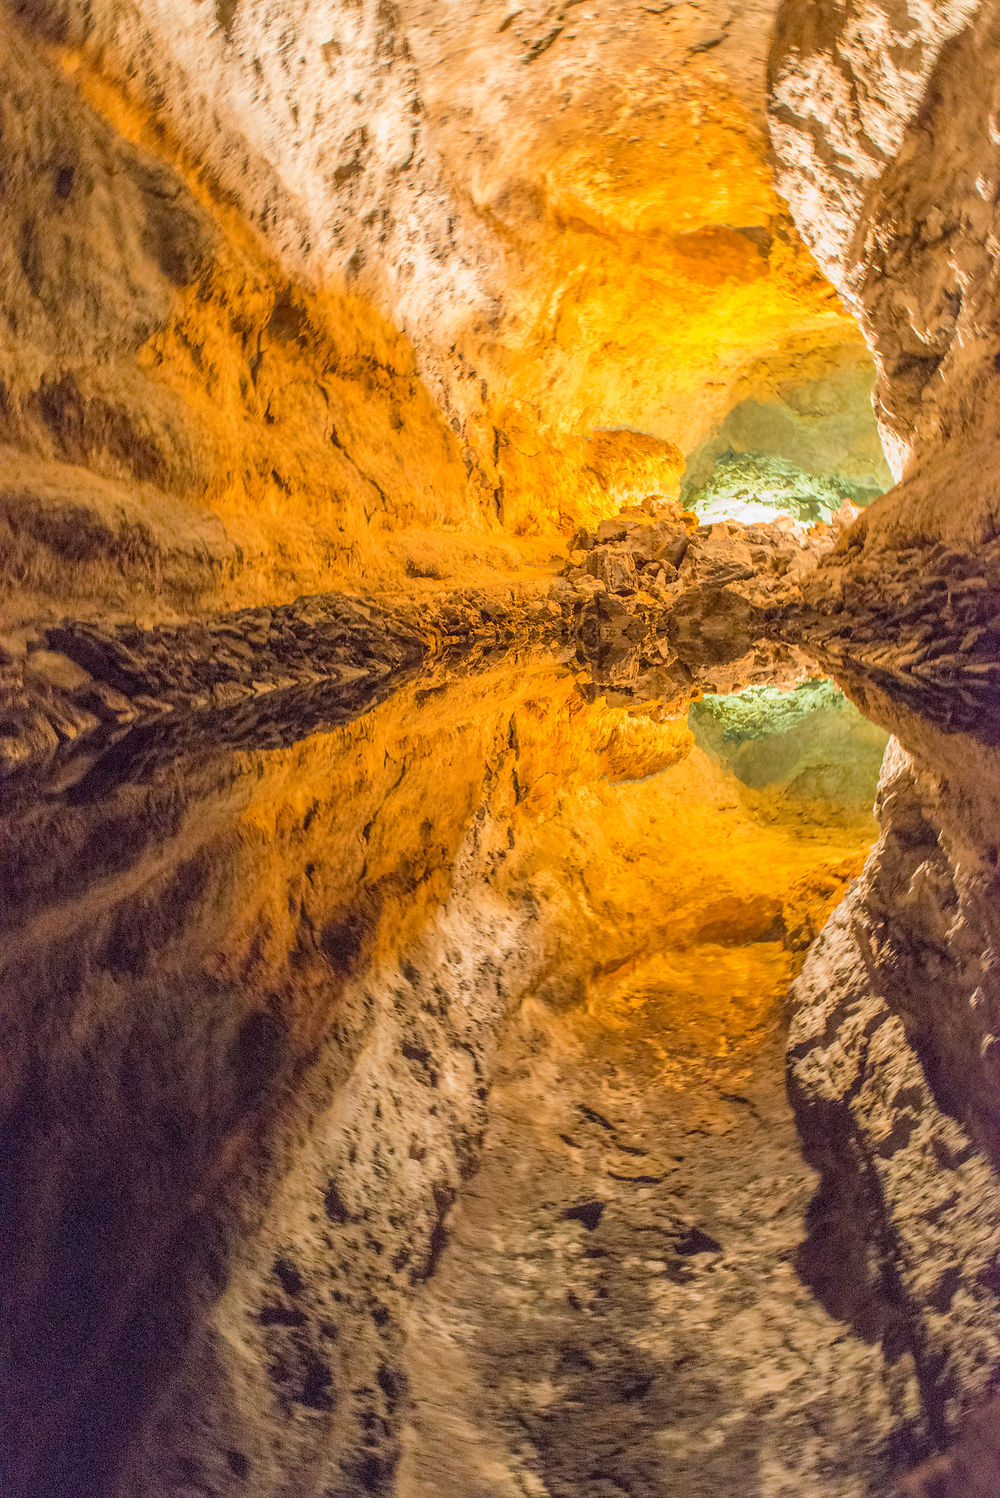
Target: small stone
x,y
615,567
55,670
611,530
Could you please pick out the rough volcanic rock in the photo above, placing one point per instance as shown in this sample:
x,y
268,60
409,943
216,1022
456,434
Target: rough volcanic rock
x,y
889,1076
300,297
268,989
614,566
245,675
296,304
822,428
663,607
877,119
884,150
891,175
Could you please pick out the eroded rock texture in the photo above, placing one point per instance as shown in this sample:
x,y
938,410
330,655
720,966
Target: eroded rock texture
x,y
370,295
883,123
255,1006
890,1076
391,1085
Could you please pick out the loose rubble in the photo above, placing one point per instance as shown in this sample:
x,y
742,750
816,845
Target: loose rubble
x,y
662,607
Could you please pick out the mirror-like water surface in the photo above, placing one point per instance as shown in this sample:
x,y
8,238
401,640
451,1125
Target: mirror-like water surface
x,y
421,1078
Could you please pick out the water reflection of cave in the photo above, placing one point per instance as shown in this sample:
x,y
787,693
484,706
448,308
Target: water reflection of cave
x,y
369,938
617,1308
682,894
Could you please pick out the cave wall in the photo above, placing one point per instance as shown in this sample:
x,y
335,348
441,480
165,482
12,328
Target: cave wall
x,y
219,988
390,296
821,425
882,129
356,299
182,422
883,125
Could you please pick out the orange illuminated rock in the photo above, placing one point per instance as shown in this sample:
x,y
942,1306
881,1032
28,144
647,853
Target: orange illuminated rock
x,y
369,302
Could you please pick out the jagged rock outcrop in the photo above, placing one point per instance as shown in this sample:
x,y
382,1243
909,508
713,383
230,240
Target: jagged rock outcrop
x,y
890,1076
886,155
654,606
663,607
231,1021
923,630
240,676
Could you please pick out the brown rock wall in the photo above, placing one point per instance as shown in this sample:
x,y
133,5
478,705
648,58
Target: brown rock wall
x,y
881,124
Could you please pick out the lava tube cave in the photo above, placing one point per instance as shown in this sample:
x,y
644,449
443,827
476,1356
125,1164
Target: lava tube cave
x,y
499,730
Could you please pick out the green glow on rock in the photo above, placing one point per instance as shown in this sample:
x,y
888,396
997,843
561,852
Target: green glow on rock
x,y
757,712
754,487
811,740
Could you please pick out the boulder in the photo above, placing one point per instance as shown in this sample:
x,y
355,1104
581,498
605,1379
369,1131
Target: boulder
x,y
615,567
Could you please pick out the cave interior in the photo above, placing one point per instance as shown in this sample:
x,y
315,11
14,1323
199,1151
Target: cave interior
x,y
499,722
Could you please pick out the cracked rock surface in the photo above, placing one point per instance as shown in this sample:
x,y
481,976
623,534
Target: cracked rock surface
x,y
619,1309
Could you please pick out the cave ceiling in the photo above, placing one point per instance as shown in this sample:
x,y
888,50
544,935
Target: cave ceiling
x,y
387,272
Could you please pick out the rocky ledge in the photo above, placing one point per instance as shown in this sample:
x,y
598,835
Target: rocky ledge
x,y
663,607
654,605
64,682
921,624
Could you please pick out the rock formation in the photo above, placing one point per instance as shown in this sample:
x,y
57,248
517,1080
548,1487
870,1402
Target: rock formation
x,y
883,131
297,311
408,412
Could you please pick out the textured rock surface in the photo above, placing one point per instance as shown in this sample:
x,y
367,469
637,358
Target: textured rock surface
x,y
753,486
918,624
306,300
301,302
883,123
181,419
811,738
890,1077
652,604
221,920
879,123
663,607
246,672
618,1310
269,989
822,426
